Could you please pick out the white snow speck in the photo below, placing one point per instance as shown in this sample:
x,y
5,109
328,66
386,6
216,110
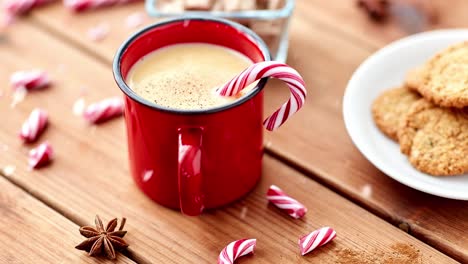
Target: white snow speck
x,y
8,170
79,107
243,212
18,96
366,190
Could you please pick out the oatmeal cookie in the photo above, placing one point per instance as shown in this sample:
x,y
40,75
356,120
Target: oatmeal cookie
x,y
390,106
435,138
444,80
414,78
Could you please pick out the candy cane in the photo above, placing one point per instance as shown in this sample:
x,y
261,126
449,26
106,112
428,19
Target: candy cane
x,y
34,126
276,70
316,239
83,5
279,198
104,110
41,155
236,249
30,80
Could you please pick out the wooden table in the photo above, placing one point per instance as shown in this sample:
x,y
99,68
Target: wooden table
x,y
311,157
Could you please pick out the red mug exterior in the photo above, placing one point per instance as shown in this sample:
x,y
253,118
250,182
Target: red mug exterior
x,y
193,159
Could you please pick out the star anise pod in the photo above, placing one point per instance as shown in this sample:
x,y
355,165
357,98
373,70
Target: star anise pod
x,y
102,240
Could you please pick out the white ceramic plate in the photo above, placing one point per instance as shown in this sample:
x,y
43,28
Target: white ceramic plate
x,y
383,70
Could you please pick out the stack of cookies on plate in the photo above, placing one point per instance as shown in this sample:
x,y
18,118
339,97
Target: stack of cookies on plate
x,y
428,114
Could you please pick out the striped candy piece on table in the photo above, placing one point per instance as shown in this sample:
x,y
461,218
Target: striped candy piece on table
x,y
84,5
99,32
40,156
279,198
14,8
272,69
29,80
316,239
236,249
33,127
104,110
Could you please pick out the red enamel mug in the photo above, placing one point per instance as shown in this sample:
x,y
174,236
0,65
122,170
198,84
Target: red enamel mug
x,y
193,159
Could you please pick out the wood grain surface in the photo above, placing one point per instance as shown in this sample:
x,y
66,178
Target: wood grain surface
x,y
326,50
90,176
31,232
405,18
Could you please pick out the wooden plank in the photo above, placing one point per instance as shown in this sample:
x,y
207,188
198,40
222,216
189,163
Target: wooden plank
x,y
315,139
114,18
448,14
34,233
90,175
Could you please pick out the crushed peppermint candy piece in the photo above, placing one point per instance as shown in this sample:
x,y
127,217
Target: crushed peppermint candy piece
x,y
14,8
30,80
33,127
316,239
235,250
104,110
281,200
99,32
40,156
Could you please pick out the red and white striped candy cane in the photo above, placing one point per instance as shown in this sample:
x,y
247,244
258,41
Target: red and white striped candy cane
x,y
83,5
277,70
15,8
104,110
33,127
279,198
41,155
316,239
236,249
30,80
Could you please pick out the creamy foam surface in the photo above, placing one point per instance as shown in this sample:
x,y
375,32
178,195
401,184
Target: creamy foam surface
x,y
185,76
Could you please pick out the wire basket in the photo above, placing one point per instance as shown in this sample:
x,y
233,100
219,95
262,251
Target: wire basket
x,y
277,43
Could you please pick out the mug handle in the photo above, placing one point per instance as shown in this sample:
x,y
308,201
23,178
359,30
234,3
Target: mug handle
x,y
191,197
